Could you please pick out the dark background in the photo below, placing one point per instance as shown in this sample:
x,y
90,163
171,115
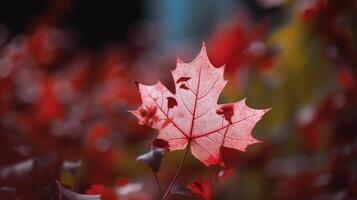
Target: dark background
x,y
97,23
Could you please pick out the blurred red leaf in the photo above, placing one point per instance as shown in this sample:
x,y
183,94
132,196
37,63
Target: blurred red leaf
x,y
200,188
242,45
345,79
48,105
105,193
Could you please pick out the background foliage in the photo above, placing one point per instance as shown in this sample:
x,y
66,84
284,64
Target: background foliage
x,y
67,79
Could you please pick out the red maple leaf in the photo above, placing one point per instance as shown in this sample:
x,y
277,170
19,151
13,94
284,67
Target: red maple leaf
x,y
191,116
200,188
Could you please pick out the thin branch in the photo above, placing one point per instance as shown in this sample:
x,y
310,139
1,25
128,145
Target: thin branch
x,y
216,174
177,173
157,182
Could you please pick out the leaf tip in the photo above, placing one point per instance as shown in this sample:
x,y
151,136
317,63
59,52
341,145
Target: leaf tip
x,y
203,45
178,60
158,83
203,51
134,112
266,110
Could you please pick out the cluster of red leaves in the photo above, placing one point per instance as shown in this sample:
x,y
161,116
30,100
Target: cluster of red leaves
x,y
332,20
328,131
58,102
50,100
336,112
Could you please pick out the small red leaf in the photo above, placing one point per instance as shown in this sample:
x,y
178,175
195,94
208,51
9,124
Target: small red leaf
x,y
200,188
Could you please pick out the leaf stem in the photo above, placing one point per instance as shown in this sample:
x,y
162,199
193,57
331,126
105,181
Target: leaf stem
x,y
177,173
216,174
157,182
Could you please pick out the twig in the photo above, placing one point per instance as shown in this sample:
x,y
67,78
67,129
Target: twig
x,y
157,182
177,173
